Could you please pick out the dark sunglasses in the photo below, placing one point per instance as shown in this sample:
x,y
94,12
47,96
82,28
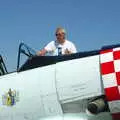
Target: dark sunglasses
x,y
58,34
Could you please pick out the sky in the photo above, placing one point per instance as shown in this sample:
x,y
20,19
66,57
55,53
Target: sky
x,y
90,24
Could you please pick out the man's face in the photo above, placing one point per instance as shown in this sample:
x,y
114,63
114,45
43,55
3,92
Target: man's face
x,y
60,35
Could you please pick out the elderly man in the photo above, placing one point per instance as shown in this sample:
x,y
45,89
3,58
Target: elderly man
x,y
59,46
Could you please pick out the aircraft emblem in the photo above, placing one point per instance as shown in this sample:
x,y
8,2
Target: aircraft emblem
x,y
10,98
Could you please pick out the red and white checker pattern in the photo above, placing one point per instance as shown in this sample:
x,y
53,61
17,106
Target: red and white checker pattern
x,y
110,70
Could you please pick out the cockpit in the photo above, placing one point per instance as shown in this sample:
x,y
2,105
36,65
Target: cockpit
x,y
31,60
34,61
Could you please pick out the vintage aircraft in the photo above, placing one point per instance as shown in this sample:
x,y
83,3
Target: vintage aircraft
x,y
80,86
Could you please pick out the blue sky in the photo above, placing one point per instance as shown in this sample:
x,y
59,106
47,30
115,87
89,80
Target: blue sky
x,y
90,24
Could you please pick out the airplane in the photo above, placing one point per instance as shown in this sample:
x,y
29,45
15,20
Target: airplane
x,y
79,86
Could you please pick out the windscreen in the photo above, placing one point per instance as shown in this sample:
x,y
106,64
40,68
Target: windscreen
x,y
3,69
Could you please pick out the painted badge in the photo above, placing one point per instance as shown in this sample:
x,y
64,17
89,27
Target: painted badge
x,y
10,98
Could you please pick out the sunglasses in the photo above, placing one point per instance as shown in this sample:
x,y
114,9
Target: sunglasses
x,y
59,34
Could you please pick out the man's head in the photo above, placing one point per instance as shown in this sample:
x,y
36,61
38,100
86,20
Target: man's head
x,y
60,35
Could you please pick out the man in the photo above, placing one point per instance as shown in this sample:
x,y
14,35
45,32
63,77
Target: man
x,y
59,46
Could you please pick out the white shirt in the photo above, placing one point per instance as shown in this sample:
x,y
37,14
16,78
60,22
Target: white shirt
x,y
52,47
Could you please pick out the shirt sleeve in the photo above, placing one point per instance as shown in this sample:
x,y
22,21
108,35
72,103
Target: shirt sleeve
x,y
50,46
73,48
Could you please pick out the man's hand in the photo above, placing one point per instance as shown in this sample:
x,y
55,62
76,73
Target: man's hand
x,y
67,51
41,52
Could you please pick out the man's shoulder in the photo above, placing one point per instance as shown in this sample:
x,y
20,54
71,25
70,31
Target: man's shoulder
x,y
51,43
68,42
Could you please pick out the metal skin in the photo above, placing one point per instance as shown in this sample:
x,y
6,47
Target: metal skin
x,y
62,90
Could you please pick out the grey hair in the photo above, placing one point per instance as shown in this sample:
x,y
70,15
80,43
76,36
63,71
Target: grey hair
x,y
61,29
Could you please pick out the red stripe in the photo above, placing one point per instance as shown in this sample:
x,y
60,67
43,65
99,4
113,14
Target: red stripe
x,y
107,68
106,51
116,116
112,93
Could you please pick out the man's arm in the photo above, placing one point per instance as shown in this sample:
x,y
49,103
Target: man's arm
x,y
71,50
42,52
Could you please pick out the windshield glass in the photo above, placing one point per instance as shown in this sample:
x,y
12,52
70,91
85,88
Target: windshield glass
x,y
3,69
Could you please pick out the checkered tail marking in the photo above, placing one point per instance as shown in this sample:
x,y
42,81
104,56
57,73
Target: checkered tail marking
x,y
110,70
